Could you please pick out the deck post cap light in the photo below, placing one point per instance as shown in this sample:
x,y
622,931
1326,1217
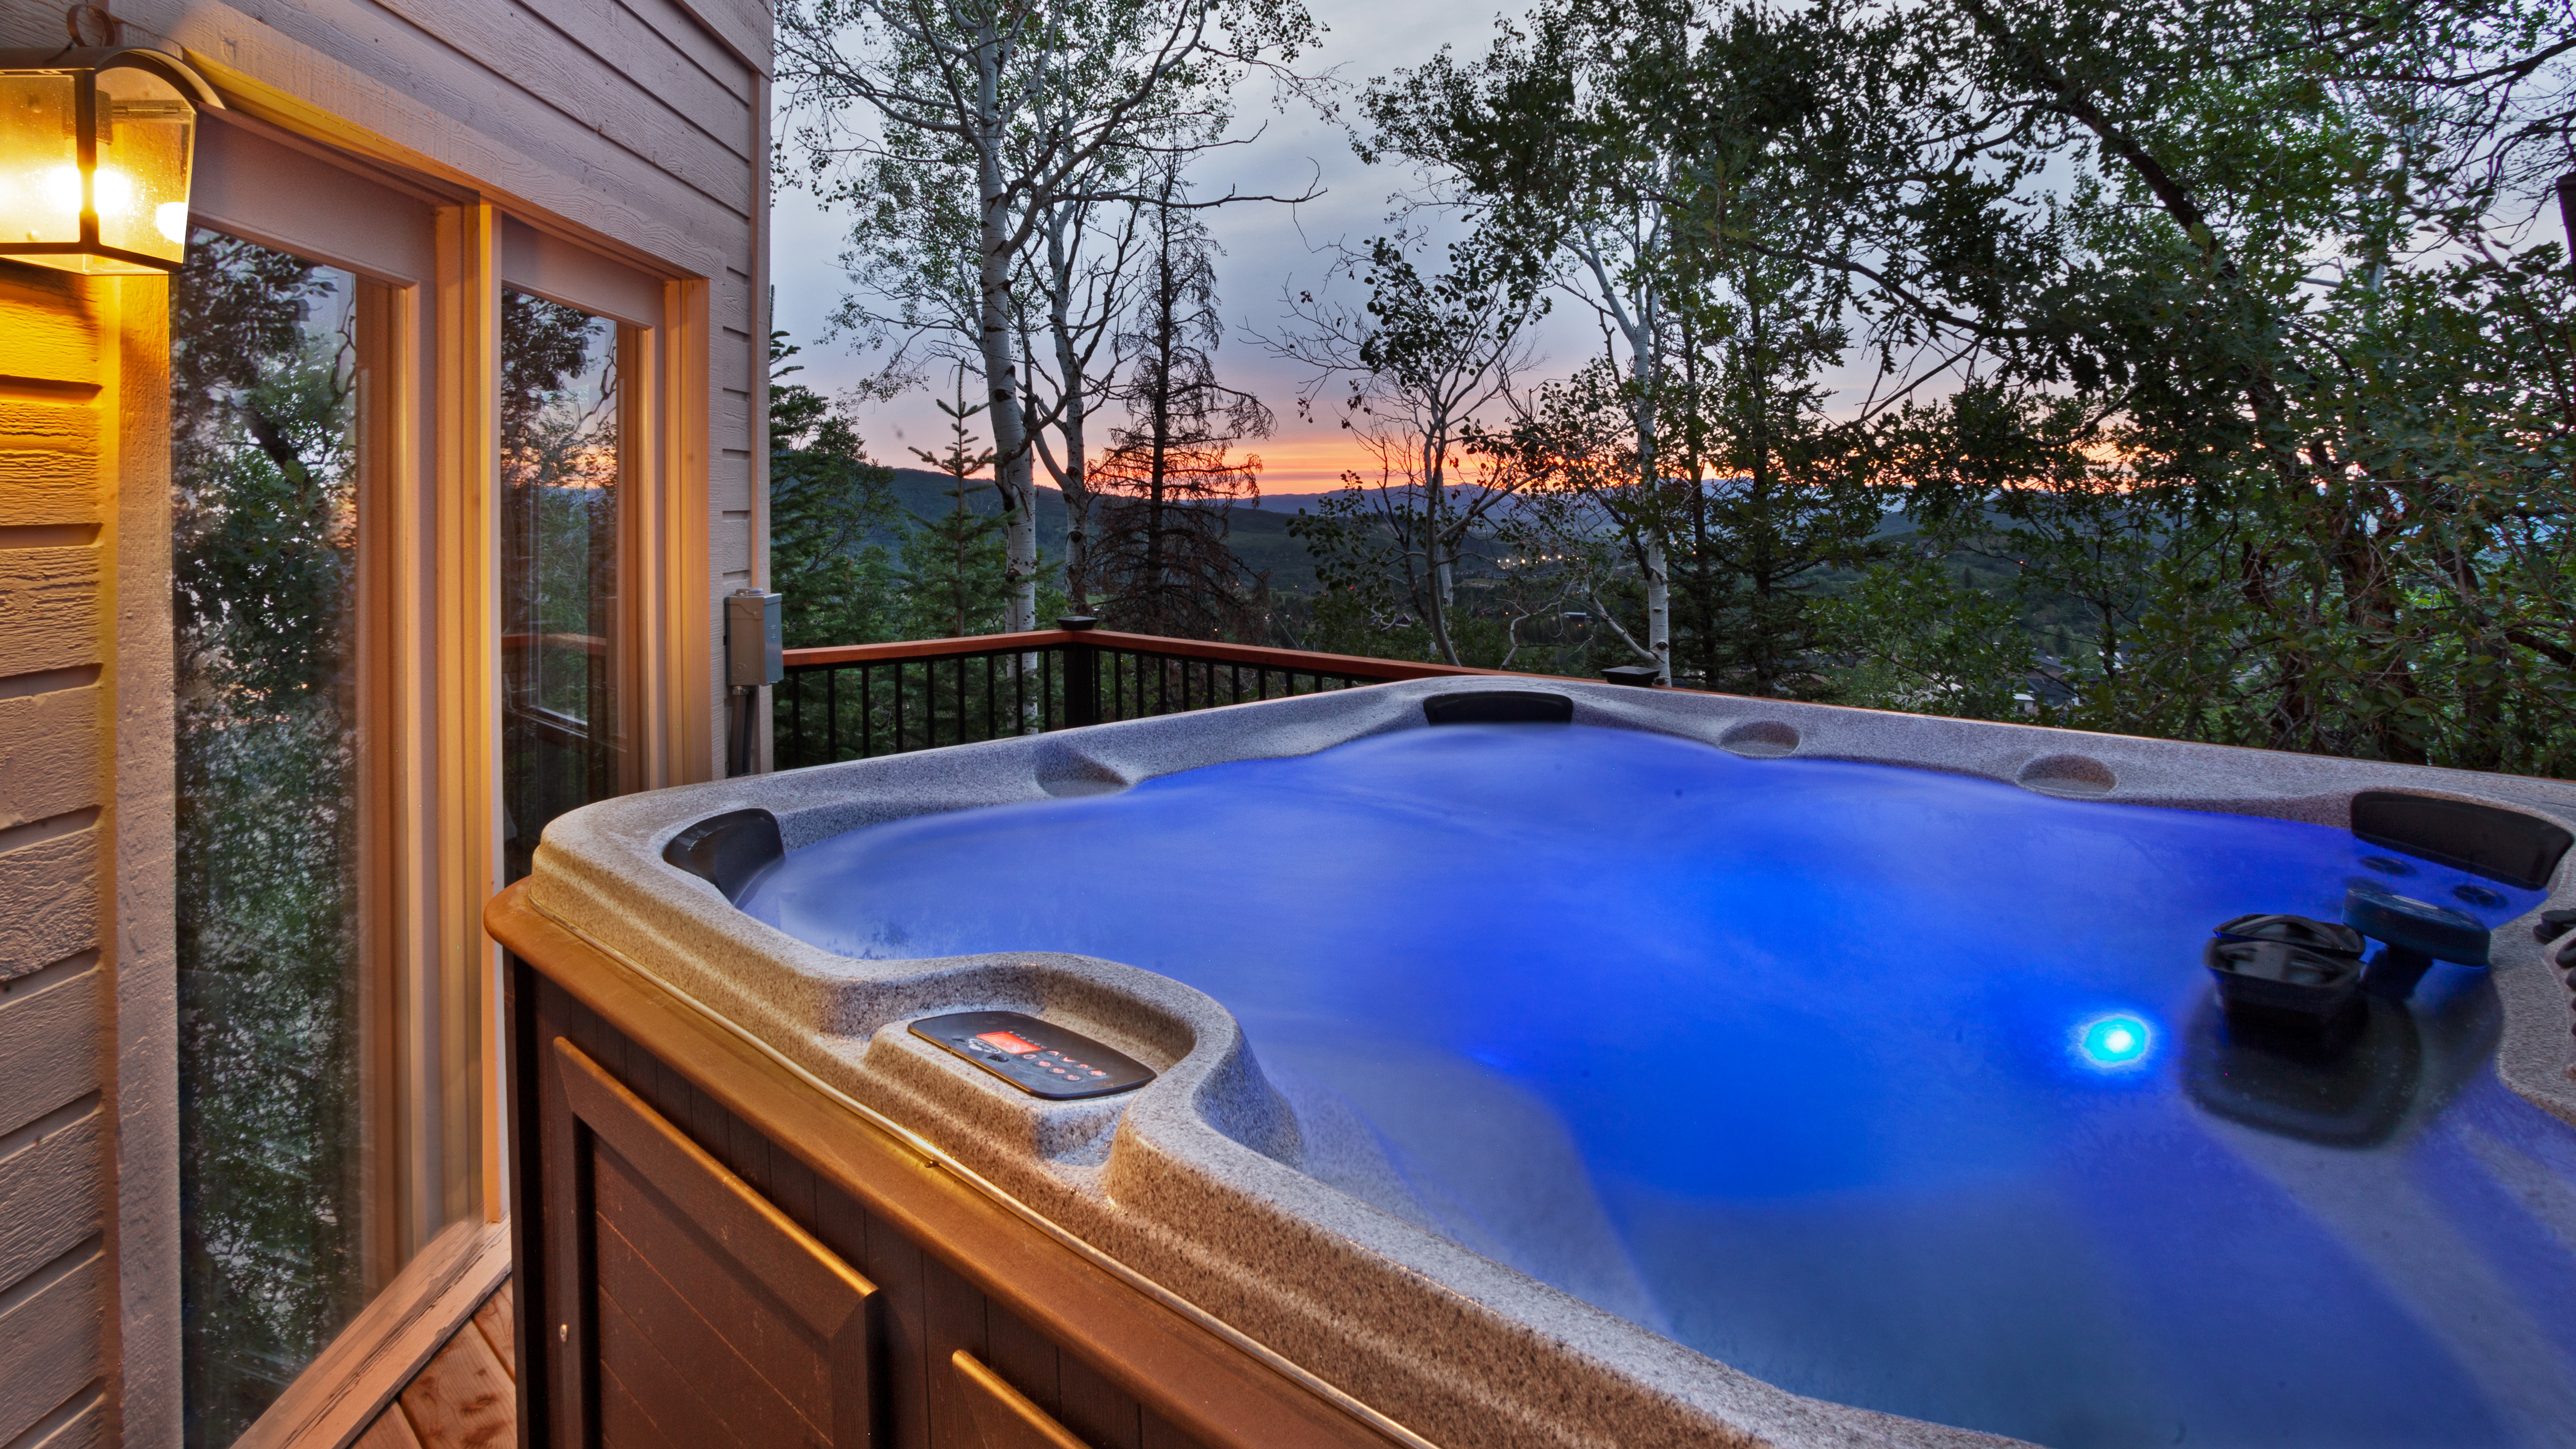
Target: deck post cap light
x,y
96,145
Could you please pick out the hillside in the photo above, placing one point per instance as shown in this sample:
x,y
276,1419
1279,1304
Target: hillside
x,y
1260,538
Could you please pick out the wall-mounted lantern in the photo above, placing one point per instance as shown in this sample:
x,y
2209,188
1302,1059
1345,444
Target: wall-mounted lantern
x,y
95,148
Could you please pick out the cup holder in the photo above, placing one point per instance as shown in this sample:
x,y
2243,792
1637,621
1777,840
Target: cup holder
x,y
2077,777
1760,739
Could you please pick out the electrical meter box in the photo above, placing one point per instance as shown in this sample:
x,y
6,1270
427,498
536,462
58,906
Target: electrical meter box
x,y
752,634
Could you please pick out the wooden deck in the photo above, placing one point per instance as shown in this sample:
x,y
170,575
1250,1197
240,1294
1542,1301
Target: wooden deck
x,y
465,1398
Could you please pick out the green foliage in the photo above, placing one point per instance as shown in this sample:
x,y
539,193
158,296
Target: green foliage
x,y
828,508
2212,322
1419,361
273,1208
956,573
1922,641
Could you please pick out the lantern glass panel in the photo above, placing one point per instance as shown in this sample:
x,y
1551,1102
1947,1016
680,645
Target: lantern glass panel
x,y
40,183
144,134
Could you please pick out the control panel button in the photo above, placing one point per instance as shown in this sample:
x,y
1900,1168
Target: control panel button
x,y
1035,1055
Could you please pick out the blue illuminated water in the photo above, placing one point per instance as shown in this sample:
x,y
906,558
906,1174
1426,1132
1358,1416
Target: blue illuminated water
x,y
1890,1087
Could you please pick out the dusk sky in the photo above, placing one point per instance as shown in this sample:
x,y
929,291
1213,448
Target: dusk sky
x,y
1265,245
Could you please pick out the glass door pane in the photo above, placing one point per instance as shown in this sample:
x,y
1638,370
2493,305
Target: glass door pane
x,y
561,644
282,1237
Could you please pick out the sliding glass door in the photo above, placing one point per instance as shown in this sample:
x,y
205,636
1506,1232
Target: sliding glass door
x,y
282,1006
397,646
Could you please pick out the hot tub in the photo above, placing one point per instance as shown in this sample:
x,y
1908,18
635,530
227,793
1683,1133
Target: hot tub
x,y
1697,1069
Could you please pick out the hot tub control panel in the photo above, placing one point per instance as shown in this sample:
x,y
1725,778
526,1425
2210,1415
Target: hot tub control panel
x,y
1038,1057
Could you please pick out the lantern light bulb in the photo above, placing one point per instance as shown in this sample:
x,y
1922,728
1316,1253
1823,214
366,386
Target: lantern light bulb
x,y
113,189
172,218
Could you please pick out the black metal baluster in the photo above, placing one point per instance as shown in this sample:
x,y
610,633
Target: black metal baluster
x,y
832,712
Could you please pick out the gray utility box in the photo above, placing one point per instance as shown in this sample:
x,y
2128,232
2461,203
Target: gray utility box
x,y
752,634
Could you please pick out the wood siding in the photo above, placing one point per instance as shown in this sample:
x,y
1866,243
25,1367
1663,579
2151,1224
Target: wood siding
x,y
59,351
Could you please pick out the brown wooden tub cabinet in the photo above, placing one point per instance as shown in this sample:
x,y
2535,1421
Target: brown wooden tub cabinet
x,y
711,1252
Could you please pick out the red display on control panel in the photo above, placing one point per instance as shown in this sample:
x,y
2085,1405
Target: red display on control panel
x,y
1015,1045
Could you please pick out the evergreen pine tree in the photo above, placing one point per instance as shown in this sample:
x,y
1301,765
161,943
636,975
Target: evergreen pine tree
x,y
955,567
829,511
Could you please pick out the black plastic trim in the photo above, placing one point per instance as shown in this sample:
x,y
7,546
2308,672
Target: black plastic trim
x,y
1498,706
2508,845
728,850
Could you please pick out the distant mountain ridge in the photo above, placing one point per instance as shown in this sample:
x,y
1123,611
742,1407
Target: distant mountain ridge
x,y
1259,537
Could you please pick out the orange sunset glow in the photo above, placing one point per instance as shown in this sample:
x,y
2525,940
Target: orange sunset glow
x,y
1292,464
1310,464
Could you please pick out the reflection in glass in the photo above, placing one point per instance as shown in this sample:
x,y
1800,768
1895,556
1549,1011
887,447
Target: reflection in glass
x,y
559,514
276,1215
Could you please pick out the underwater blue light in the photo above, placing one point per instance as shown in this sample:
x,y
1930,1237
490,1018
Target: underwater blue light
x,y
2114,1041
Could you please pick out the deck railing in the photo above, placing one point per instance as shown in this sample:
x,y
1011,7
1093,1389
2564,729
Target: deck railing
x,y
850,702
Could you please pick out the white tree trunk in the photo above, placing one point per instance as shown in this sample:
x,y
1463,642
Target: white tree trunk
x,y
1012,476
1659,608
1075,480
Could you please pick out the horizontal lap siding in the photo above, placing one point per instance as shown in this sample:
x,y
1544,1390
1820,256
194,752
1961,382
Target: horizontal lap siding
x,y
549,69
49,763
49,608
579,107
55,1282
48,450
